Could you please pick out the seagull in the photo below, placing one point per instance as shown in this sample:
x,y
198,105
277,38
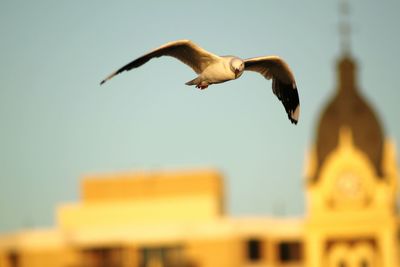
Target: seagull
x,y
214,69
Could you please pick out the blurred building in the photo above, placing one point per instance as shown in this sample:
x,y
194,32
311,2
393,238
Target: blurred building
x,y
171,219
352,183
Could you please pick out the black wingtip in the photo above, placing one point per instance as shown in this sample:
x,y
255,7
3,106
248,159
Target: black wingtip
x,y
295,114
109,77
288,95
293,121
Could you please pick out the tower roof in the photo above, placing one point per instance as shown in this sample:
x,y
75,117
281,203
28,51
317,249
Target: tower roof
x,y
348,108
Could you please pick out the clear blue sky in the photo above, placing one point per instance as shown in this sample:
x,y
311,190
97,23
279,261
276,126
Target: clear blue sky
x,y
58,124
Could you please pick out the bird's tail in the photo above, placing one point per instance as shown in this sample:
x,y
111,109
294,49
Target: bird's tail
x,y
195,81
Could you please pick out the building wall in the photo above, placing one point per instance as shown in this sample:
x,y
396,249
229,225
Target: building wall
x,y
185,226
145,198
352,215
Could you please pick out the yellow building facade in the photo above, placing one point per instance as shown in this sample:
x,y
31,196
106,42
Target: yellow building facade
x,y
155,219
177,219
352,184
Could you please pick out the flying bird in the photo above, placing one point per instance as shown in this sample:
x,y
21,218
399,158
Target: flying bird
x,y
213,69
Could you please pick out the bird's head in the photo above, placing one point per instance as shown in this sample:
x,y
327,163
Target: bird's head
x,y
237,66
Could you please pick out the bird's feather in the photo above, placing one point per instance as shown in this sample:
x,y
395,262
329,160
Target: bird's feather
x,y
185,50
283,82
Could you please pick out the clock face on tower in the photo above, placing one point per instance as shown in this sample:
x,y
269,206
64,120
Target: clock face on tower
x,y
349,190
349,185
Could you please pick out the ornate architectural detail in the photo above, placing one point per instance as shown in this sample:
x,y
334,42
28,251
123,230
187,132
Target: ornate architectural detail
x,y
352,179
348,108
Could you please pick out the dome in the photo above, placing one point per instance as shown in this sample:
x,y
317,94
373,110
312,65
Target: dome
x,y
349,109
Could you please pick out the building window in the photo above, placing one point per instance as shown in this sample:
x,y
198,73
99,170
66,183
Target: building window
x,y
13,259
163,256
102,257
364,263
254,249
290,251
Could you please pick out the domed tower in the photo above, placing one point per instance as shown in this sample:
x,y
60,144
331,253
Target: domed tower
x,y
351,176
349,109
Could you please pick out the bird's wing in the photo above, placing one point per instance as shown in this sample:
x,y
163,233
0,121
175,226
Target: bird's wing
x,y
283,83
185,50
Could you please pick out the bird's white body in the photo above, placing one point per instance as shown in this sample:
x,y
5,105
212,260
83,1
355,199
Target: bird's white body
x,y
217,72
212,69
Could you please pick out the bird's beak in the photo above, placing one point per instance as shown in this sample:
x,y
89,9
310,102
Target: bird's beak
x,y
236,73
